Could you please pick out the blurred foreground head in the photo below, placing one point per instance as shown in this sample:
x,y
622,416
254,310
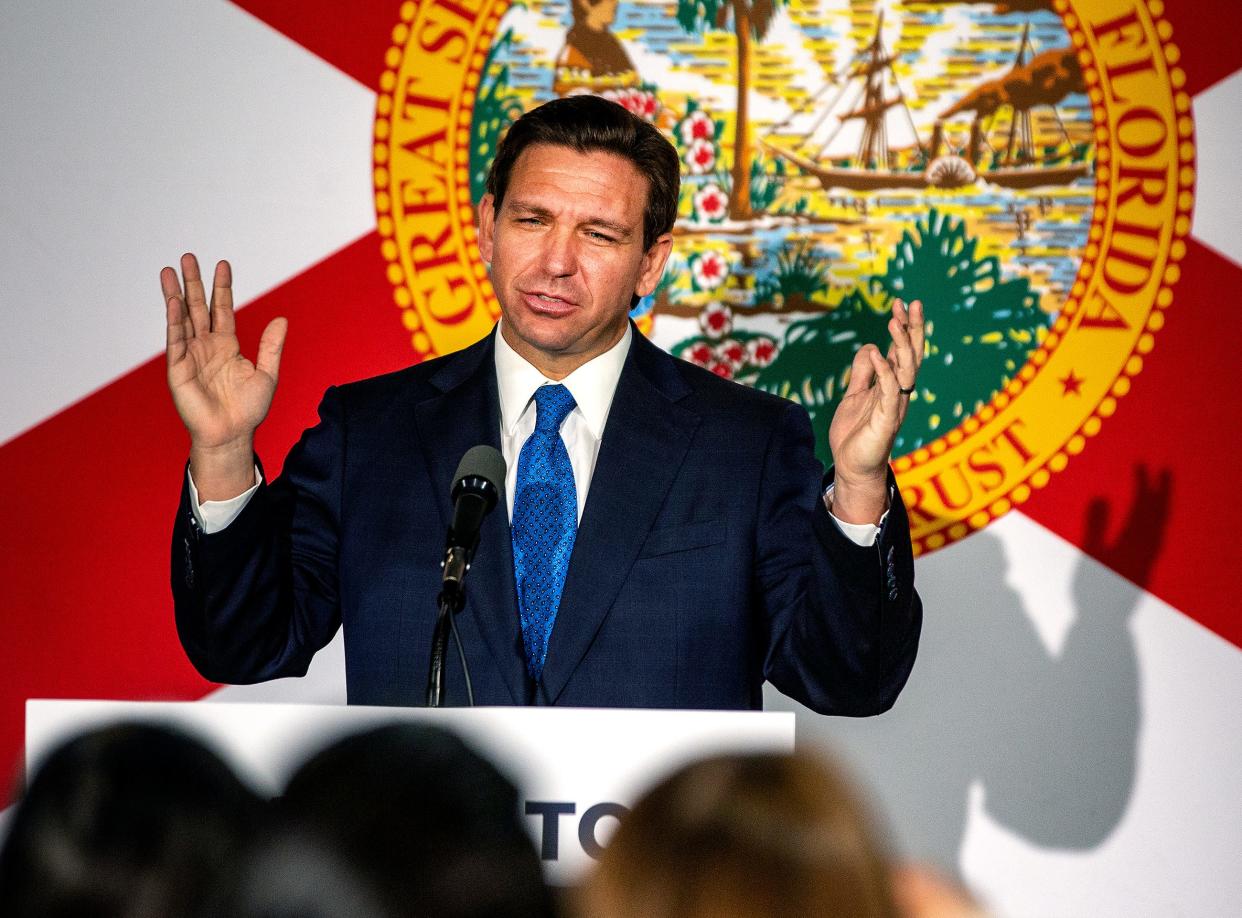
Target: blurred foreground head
x,y
133,820
416,821
742,836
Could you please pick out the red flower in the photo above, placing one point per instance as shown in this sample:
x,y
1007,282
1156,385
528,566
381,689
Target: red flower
x,y
699,354
716,320
709,270
722,368
761,351
640,102
732,352
701,157
711,202
697,126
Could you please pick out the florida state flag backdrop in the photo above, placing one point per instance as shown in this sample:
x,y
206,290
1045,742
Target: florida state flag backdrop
x,y
1054,178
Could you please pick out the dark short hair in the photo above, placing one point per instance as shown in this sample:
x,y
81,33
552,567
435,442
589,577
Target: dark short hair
x,y
423,821
588,123
127,820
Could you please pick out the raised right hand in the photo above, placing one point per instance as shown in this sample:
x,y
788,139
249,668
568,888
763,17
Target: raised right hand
x,y
221,396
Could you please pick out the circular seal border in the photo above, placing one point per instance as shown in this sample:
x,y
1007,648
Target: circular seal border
x,y
458,305
446,239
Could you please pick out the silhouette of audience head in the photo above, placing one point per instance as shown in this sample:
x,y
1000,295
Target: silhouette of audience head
x,y
132,821
289,874
421,821
742,836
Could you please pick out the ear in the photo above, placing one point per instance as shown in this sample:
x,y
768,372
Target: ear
x,y
653,263
487,227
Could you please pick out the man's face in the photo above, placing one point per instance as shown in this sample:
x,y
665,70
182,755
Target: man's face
x,y
566,253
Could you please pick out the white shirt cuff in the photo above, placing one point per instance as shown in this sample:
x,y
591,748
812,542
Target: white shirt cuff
x,y
863,534
215,515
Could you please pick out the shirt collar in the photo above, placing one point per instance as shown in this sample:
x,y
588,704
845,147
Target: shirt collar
x,y
592,385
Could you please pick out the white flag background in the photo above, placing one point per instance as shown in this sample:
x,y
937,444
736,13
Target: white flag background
x,y
1068,743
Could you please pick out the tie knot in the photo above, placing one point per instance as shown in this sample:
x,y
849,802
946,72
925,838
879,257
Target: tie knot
x,y
553,404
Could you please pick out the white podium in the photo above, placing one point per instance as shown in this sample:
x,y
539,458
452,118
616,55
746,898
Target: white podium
x,y
576,768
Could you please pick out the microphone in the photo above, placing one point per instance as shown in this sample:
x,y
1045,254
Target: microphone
x,y
478,484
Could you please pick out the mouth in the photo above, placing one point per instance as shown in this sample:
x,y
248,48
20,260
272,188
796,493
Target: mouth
x,y
547,304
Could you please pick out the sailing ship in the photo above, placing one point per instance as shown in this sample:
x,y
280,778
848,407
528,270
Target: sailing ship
x,y
863,138
854,140
1022,163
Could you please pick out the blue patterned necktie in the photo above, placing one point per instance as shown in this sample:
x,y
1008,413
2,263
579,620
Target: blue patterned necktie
x,y
545,522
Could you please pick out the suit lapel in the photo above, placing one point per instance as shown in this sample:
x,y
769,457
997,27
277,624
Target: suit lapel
x,y
644,442
466,413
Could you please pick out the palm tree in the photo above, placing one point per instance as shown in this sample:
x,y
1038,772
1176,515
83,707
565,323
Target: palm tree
x,y
751,20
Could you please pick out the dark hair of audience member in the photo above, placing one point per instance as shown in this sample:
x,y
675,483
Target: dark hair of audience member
x,y
742,837
133,821
291,875
421,819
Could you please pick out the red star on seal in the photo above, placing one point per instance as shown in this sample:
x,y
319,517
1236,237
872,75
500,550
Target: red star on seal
x,y
1071,384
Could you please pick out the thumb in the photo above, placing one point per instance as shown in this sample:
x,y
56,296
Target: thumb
x,y
862,371
270,346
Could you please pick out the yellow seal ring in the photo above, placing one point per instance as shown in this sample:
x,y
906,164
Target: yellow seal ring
x,y
421,156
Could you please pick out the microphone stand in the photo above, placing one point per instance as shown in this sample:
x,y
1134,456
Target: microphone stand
x,y
450,601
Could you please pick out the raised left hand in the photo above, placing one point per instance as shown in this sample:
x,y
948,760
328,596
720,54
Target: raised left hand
x,y
870,414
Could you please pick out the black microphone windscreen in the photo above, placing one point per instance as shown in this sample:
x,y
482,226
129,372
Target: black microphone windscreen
x,y
482,462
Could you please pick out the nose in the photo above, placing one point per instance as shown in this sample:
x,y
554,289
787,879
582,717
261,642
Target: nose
x,y
559,254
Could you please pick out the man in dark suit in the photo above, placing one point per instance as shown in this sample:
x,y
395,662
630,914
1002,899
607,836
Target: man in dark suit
x,y
666,539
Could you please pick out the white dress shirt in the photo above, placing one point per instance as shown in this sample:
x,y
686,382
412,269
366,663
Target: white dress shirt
x,y
592,385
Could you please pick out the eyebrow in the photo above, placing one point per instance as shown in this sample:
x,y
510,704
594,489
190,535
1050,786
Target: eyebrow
x,y
619,229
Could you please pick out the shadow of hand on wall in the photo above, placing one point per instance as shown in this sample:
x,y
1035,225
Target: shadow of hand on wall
x,y
1049,730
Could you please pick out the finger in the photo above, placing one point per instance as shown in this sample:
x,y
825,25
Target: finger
x,y
177,318
891,403
900,352
862,373
885,378
271,344
222,299
917,325
177,336
169,284
195,300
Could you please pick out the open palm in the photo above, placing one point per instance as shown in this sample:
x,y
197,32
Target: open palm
x,y
221,396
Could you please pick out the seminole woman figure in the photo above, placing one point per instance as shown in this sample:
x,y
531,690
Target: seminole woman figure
x,y
593,59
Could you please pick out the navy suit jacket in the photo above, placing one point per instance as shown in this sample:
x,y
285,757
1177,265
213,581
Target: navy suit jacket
x,y
705,560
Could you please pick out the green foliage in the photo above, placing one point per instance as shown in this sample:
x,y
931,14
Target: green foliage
x,y
800,206
813,367
765,185
800,271
496,108
980,329
697,16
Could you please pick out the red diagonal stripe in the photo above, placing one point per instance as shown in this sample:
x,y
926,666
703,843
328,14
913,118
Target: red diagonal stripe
x,y
1179,416
89,495
1205,35
350,36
